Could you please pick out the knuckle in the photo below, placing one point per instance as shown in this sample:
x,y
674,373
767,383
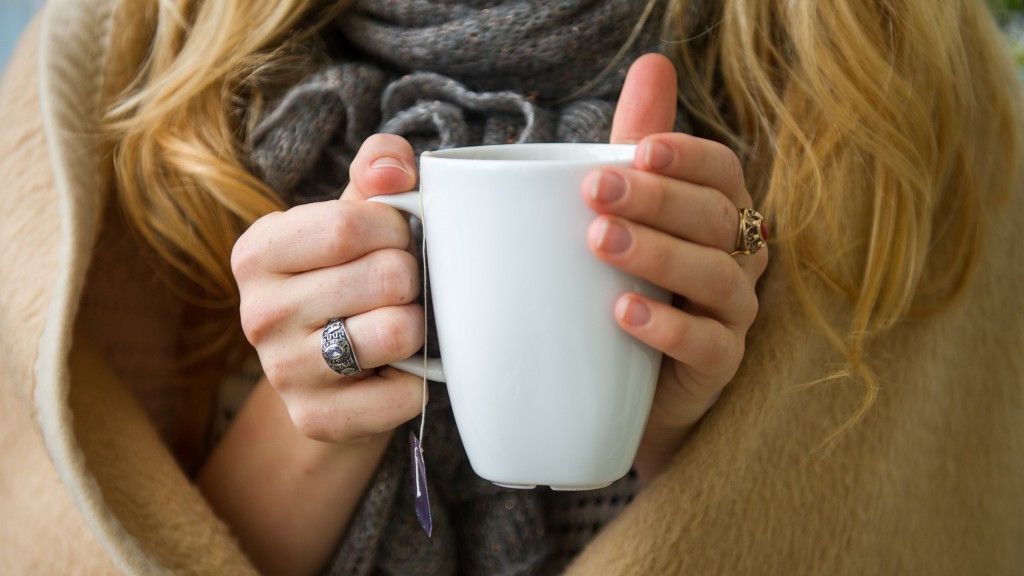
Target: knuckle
x,y
729,165
312,420
753,301
719,349
395,276
341,229
733,169
242,257
722,280
657,204
395,334
277,369
725,217
393,409
260,317
761,262
677,338
659,255
753,306
247,250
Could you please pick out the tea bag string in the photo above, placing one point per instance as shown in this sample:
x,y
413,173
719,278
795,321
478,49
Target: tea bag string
x,y
426,318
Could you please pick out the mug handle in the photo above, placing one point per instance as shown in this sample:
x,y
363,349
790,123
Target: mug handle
x,y
432,368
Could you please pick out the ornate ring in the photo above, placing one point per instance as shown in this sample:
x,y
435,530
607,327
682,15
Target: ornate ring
x,y
337,350
752,233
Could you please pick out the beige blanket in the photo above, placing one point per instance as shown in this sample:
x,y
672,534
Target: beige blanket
x,y
931,483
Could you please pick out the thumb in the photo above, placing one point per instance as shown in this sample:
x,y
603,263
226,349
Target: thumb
x,y
647,103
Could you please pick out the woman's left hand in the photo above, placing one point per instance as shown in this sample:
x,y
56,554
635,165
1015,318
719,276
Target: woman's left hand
x,y
673,219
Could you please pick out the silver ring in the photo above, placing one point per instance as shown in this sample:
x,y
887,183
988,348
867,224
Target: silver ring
x,y
337,350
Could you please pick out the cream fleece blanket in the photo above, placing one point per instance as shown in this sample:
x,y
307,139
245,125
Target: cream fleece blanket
x,y
931,483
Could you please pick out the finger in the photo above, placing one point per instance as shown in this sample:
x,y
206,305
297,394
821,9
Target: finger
x,y
356,408
709,350
647,103
707,277
696,160
689,211
383,278
384,164
315,236
754,265
388,277
377,338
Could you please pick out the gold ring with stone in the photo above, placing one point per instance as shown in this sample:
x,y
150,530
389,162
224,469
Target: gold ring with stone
x,y
752,234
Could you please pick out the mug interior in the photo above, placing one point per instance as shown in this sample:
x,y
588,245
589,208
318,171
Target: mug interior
x,y
557,152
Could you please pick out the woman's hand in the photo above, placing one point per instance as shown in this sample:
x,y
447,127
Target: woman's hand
x,y
287,496
338,259
674,219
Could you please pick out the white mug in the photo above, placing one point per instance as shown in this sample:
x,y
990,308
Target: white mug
x,y
545,387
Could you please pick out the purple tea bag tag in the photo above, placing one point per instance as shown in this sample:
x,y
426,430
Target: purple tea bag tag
x,y
420,479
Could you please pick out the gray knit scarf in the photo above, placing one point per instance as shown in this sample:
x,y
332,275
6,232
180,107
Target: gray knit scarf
x,y
447,73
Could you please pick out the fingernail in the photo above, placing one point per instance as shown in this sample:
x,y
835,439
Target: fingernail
x,y
634,312
613,237
389,162
608,187
658,155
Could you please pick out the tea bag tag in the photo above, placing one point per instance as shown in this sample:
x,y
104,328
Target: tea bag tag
x,y
420,480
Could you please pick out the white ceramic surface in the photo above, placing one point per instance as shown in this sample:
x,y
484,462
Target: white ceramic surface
x,y
545,387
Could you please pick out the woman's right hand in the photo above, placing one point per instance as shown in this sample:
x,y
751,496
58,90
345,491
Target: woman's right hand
x,y
345,259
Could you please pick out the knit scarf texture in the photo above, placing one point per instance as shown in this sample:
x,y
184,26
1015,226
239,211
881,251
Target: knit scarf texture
x,y
443,74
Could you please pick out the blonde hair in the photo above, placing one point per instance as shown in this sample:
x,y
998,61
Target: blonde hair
x,y
182,179
898,118
876,132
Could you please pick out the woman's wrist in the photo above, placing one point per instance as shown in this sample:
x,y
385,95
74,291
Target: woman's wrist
x,y
287,498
